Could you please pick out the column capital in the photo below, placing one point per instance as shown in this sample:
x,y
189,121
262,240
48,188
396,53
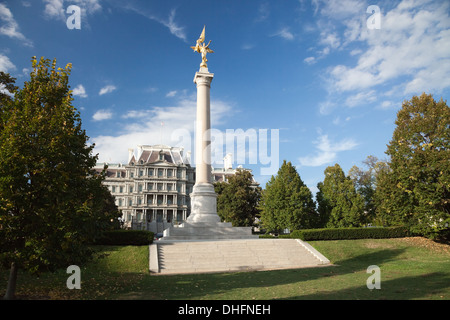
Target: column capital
x,y
203,77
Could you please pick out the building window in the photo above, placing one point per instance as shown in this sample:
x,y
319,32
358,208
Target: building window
x,y
121,189
169,187
150,186
113,189
169,173
118,174
140,188
141,173
150,172
161,157
131,174
160,172
120,202
131,189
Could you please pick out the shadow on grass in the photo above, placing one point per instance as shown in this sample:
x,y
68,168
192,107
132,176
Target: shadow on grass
x,y
432,285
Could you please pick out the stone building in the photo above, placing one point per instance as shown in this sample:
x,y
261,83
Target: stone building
x,y
152,190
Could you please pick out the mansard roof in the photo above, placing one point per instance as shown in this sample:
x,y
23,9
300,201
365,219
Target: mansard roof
x,y
159,153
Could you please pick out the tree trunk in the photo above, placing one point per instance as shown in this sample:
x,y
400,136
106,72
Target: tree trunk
x,y
11,289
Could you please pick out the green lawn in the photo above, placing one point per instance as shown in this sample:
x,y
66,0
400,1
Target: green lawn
x,y
411,268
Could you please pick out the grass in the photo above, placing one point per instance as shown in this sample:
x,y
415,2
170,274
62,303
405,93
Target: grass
x,y
411,268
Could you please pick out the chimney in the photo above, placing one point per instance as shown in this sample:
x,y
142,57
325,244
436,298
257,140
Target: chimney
x,y
228,161
130,154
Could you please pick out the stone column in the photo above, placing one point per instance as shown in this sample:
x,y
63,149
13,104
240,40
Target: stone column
x,y
203,197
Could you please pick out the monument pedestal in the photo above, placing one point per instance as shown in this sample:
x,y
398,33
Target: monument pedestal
x,y
203,204
204,222
207,231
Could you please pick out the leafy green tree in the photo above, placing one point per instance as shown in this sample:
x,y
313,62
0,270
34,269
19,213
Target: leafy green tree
x,y
237,200
365,182
323,208
416,189
340,201
287,202
52,202
7,87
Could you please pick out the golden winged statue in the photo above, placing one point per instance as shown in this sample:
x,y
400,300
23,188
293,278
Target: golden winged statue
x,y
202,48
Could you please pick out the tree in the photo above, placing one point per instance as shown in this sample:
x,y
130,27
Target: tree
x,y
416,189
339,200
7,87
52,202
365,182
287,202
323,207
238,199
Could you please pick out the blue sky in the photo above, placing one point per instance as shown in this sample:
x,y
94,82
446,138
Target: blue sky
x,y
310,70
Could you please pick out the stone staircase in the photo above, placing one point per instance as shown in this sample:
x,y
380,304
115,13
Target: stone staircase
x,y
183,257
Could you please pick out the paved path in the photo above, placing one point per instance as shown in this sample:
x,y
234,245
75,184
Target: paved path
x,y
182,257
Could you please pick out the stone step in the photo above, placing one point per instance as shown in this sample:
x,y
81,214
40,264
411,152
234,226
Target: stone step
x,y
232,255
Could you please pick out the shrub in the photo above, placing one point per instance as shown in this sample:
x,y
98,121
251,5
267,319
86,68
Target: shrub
x,y
126,238
350,233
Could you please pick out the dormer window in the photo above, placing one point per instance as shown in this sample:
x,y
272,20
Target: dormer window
x,y
161,157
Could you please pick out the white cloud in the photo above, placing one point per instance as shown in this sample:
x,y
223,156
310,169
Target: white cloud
x,y
5,64
79,91
55,9
107,89
263,12
144,128
247,46
9,26
330,39
326,151
285,34
326,107
310,60
171,93
174,28
136,114
340,9
361,98
170,22
413,44
151,89
102,115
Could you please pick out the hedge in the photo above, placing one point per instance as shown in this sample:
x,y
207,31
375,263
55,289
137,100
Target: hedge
x,y
350,233
126,238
